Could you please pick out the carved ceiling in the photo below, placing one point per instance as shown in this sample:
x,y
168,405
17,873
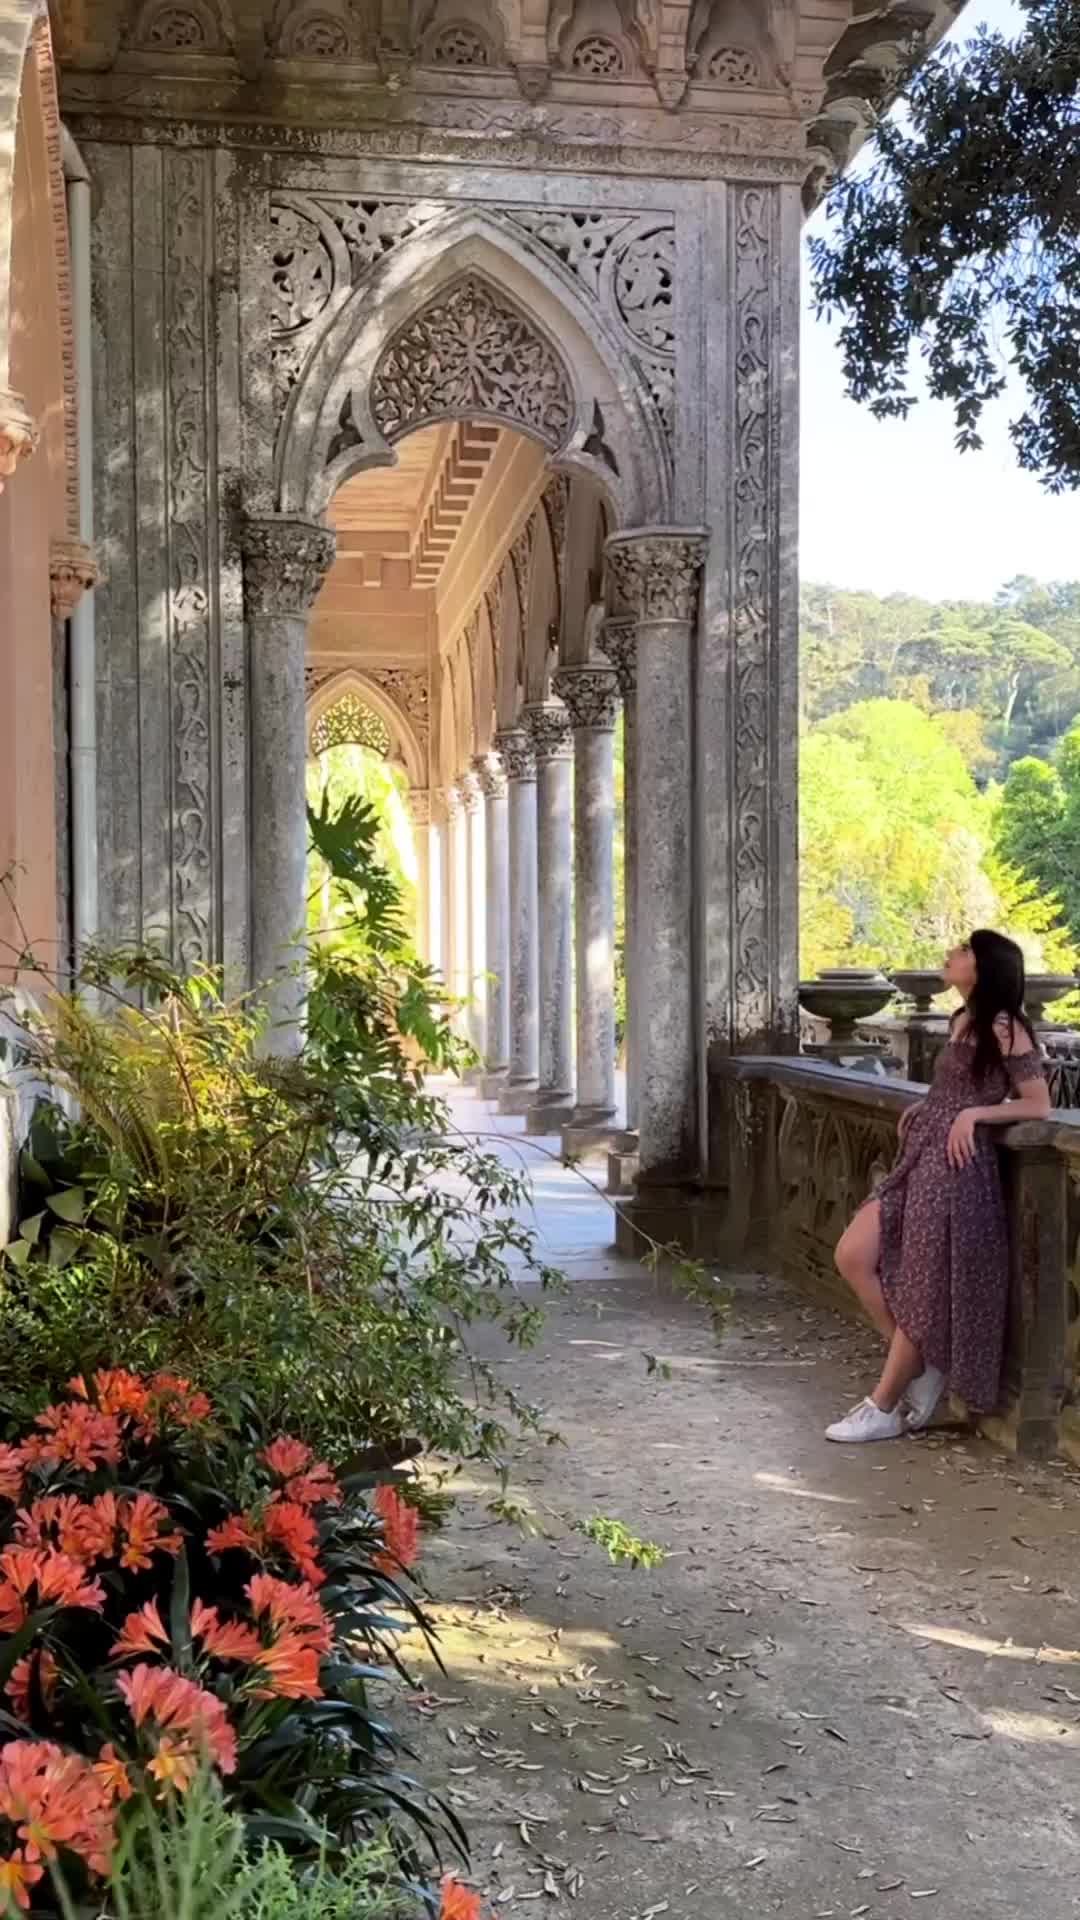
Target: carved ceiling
x,y
815,72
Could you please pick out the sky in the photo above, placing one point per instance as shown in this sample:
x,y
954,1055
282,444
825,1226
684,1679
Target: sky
x,y
891,506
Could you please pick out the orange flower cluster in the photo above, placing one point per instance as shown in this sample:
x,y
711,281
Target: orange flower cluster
x,y
22,1673
286,1663
308,1482
458,1902
286,1521
32,1577
184,1721
88,1430
105,1528
52,1799
401,1531
163,1400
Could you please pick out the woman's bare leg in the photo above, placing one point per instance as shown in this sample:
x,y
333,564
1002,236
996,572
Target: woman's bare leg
x,y
858,1259
903,1364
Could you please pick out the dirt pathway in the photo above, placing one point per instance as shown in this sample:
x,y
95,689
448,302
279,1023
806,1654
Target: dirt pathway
x,y
853,1688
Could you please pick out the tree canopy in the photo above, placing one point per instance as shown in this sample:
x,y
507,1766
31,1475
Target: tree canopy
x,y
961,232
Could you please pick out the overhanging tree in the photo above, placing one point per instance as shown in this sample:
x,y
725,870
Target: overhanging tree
x,y
962,235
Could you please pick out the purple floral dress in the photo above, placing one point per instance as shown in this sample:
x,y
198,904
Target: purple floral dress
x,y
944,1236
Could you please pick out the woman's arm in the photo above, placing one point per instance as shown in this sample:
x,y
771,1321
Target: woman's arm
x,y
1031,1101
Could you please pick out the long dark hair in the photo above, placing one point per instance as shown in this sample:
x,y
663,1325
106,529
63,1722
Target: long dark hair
x,y
999,988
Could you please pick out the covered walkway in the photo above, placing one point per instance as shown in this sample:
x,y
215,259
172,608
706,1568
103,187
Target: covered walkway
x,y
852,1689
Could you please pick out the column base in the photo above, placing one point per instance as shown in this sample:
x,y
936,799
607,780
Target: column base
x,y
495,1082
589,1131
622,1171
698,1224
517,1097
550,1112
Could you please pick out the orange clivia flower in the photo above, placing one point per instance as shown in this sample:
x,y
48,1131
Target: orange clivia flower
x,y
288,1608
290,1527
112,1772
19,1686
142,1632
174,1401
143,1521
79,1434
315,1488
27,1571
175,1763
286,1456
12,1472
291,1665
83,1529
17,1876
225,1639
174,1704
459,1902
54,1800
401,1531
236,1531
119,1392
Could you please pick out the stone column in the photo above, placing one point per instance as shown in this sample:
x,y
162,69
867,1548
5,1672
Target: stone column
x,y
590,694
473,801
419,807
491,773
517,756
457,897
286,560
618,639
72,573
436,838
654,576
549,728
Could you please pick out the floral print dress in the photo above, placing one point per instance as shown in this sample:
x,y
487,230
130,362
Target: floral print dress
x,y
944,1235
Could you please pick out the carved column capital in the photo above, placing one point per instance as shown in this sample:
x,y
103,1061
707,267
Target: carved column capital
x,y
548,725
618,639
469,788
18,433
72,572
516,753
491,773
453,805
286,560
418,806
591,696
654,573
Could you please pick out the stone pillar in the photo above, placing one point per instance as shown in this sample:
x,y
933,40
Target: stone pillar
x,y
419,806
618,639
18,433
516,752
72,573
285,562
590,695
491,773
436,838
549,728
654,577
457,896
473,801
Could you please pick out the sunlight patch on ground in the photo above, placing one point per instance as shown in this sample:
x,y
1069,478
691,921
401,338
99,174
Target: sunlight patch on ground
x,y
993,1649
1030,1727
779,1483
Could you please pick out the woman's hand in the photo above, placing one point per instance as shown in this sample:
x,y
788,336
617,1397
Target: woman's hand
x,y
960,1146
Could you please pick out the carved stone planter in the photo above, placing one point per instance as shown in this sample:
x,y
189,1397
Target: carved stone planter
x,y
843,995
919,985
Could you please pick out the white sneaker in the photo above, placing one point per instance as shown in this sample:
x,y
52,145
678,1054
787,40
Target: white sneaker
x,y
923,1397
867,1422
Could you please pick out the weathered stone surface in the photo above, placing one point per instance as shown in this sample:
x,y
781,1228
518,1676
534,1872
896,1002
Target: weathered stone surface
x,y
591,698
549,728
524,1011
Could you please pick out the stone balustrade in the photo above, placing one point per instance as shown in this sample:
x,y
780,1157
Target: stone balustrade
x,y
806,1142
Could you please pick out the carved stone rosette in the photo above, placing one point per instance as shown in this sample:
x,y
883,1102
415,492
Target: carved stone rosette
x,y
18,434
591,697
618,639
286,560
418,806
515,749
655,574
72,572
490,770
549,729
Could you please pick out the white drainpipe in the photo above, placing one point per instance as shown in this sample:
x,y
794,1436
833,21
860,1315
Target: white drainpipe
x,y
82,696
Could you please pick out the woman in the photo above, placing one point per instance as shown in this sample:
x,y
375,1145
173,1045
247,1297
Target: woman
x,y
928,1255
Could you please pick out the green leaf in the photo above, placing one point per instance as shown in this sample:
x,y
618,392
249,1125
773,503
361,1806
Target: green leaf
x,y
180,1610
18,1252
69,1205
20,1642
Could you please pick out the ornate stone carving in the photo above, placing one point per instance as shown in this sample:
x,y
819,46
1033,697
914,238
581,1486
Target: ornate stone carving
x,y
72,572
754,320
734,67
656,574
316,35
18,434
351,722
591,696
549,730
459,45
516,751
618,639
470,352
521,556
316,677
408,688
286,560
180,26
418,806
453,803
491,773
644,286
556,504
494,599
468,787
599,56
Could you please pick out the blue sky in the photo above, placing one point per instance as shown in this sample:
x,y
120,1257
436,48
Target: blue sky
x,y
891,506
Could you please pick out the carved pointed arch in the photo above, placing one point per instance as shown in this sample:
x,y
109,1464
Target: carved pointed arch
x,y
402,746
368,382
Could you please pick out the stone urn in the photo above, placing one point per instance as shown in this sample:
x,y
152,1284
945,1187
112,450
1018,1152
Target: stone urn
x,y
920,985
842,995
1042,988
